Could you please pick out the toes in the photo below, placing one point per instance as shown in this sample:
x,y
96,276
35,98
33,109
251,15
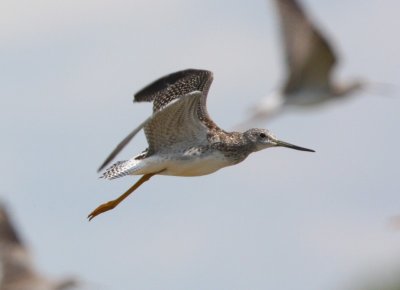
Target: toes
x,y
102,208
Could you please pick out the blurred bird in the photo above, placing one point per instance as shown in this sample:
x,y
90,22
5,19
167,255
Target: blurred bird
x,y
17,270
182,138
310,61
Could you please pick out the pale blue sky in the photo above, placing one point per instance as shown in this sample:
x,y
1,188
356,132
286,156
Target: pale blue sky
x,y
280,220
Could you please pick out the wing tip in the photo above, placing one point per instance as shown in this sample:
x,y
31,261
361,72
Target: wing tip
x,y
162,83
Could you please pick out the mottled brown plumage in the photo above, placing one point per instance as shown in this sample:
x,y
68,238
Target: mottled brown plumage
x,y
162,92
183,140
310,62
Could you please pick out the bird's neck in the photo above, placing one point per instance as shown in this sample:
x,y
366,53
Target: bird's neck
x,y
233,145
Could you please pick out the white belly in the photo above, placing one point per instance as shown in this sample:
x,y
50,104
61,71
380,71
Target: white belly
x,y
308,97
184,165
196,166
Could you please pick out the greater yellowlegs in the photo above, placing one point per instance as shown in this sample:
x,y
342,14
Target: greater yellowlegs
x,y
182,138
17,270
310,61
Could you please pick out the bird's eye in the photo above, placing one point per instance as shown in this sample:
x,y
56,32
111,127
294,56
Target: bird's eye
x,y
262,135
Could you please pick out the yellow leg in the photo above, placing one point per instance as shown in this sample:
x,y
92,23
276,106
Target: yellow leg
x,y
113,203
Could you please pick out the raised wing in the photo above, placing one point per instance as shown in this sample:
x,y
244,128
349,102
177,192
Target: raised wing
x,y
173,86
8,234
164,91
14,256
177,125
309,56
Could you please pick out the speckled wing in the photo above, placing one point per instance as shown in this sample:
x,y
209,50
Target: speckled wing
x,y
165,92
309,56
173,86
177,126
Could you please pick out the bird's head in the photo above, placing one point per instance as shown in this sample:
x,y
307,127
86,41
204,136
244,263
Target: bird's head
x,y
344,89
262,139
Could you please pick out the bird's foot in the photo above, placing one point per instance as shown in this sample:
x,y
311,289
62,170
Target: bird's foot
x,y
113,203
103,208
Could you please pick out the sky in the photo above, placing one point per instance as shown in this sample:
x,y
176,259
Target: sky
x,y
282,219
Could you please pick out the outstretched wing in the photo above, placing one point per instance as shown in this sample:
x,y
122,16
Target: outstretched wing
x,y
177,90
309,56
122,144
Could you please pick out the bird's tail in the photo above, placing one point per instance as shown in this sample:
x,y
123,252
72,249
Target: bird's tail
x,y
119,169
381,88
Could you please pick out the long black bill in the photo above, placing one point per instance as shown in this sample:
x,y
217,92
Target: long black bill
x,y
288,145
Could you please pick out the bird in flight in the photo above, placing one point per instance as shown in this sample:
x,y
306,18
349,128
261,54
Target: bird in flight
x,y
17,270
310,62
182,138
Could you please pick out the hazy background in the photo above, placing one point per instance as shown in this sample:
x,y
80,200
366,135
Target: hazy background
x,y
283,219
